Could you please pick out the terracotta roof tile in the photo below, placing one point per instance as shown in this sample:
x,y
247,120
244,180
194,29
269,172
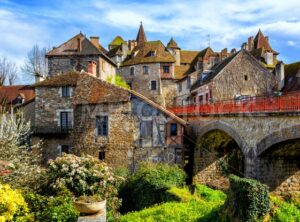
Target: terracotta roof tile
x,y
181,71
10,93
70,78
188,56
143,54
260,42
117,41
172,44
141,36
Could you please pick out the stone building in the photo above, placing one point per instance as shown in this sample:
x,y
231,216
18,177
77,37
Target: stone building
x,y
261,49
239,75
76,53
79,113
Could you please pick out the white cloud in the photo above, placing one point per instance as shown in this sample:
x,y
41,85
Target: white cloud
x,y
291,43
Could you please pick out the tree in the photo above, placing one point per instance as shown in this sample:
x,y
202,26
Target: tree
x,y
20,160
36,62
8,72
118,81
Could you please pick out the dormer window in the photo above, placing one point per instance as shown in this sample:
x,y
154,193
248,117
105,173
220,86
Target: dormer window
x,y
66,91
152,53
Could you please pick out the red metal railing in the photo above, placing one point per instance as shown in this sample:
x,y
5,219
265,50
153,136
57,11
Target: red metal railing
x,y
285,103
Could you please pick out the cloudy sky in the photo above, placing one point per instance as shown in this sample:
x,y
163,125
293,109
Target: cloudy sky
x,y
24,23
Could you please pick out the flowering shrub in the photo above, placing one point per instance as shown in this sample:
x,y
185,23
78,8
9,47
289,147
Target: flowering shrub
x,y
84,176
12,205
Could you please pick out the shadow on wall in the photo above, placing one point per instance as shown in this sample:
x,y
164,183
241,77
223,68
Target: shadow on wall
x,y
279,167
217,155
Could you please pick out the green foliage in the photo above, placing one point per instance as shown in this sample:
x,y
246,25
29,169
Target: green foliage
x,y
84,176
209,194
118,81
191,208
149,185
13,206
52,209
284,211
248,199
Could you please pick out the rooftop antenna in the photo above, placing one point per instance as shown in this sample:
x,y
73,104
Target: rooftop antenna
x,y
208,40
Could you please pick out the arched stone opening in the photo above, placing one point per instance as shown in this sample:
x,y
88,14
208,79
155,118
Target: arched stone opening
x,y
216,155
279,167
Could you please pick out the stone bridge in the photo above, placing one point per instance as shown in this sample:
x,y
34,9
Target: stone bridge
x,y
269,142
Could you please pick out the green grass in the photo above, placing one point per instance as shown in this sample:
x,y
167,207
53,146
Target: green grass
x,y
201,206
283,211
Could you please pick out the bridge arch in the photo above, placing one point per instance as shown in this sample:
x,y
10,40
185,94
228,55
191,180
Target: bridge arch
x,y
219,125
279,136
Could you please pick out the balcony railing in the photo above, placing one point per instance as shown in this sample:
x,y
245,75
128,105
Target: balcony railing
x,y
51,129
273,104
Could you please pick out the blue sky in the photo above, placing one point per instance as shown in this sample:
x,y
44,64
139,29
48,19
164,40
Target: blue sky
x,y
229,23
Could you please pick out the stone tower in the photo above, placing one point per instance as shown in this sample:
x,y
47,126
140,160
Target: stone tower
x,y
175,50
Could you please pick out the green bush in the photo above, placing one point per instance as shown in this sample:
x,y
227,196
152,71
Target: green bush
x,y
248,199
84,176
284,211
149,185
52,209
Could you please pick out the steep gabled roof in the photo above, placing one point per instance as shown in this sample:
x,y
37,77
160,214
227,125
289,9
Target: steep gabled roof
x,y
9,94
172,44
141,36
260,42
117,50
141,54
188,57
181,71
70,78
117,41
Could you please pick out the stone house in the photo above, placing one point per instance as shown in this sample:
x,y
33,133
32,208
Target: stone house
x,y
261,49
292,77
238,75
79,113
76,53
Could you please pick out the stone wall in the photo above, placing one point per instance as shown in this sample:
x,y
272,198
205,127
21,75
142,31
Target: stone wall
x,y
242,76
63,64
169,89
140,82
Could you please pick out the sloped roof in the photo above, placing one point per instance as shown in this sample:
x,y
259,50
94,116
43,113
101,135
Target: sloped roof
x,y
141,36
291,69
260,42
188,56
181,71
70,78
143,54
118,40
9,94
172,44
117,50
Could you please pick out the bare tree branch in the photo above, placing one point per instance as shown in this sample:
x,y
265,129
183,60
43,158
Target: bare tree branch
x,y
36,62
8,72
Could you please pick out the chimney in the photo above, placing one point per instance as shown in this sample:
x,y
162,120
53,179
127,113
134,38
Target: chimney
x,y
224,53
267,38
279,72
95,41
92,68
233,51
244,46
79,47
250,43
131,44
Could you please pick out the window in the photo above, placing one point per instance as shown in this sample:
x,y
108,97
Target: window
x,y
66,91
146,69
102,125
188,82
166,69
63,149
206,97
101,155
132,71
152,53
73,62
246,77
180,87
153,85
20,100
146,129
201,99
66,120
173,130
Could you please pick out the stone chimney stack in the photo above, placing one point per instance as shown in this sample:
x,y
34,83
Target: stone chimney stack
x,y
92,68
250,43
95,41
131,44
79,46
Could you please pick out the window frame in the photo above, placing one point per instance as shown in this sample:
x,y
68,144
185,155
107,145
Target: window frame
x,y
171,130
188,82
66,91
132,71
145,70
68,118
152,81
180,87
99,128
168,69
